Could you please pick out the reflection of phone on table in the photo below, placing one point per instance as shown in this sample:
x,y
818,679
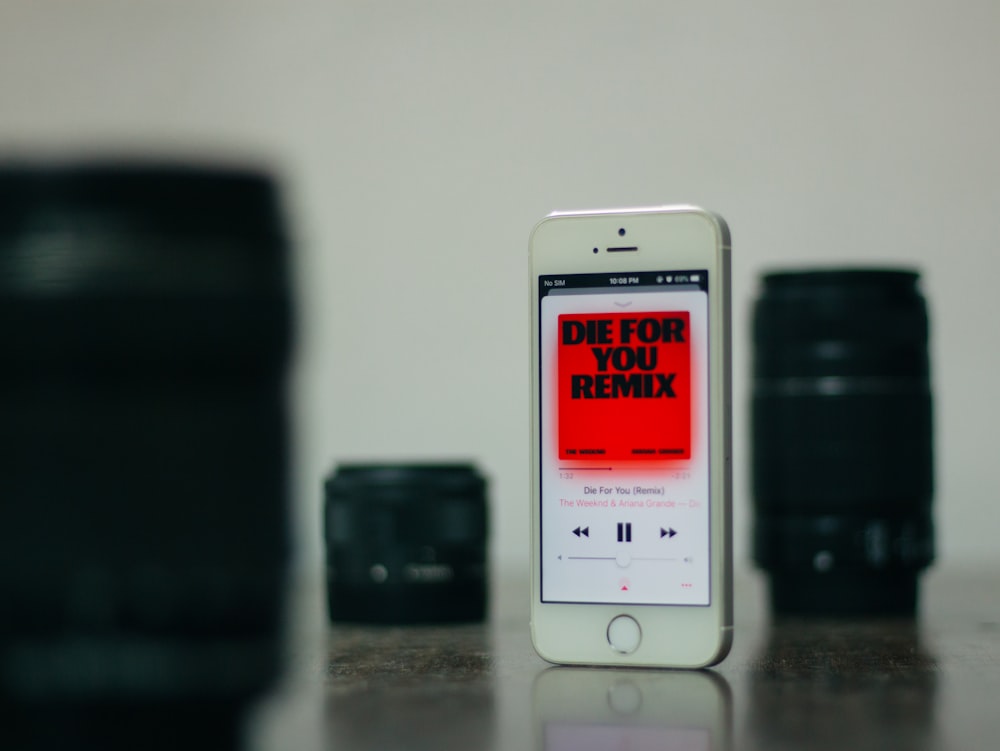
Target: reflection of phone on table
x,y
631,540
578,710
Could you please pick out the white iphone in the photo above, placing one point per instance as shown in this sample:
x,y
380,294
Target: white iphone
x,y
631,542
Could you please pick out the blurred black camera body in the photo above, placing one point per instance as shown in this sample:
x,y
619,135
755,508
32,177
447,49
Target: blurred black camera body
x,y
842,449
145,323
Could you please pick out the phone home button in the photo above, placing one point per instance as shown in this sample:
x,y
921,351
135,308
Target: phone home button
x,y
624,634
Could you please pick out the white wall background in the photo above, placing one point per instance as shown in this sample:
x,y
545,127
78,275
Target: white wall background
x,y
420,141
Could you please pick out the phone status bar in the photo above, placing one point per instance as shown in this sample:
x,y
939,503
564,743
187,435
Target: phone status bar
x,y
684,278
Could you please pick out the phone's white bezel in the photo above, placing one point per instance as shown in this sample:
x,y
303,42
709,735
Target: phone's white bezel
x,y
667,237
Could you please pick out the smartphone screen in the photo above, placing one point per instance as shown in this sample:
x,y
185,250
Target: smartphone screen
x,y
624,416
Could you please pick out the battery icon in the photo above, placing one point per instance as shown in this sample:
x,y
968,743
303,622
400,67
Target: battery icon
x,y
695,277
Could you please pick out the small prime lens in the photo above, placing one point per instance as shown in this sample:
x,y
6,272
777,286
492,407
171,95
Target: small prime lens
x,y
406,543
842,456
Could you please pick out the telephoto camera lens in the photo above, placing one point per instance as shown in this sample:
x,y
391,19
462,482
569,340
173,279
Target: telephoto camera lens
x,y
842,456
406,543
145,319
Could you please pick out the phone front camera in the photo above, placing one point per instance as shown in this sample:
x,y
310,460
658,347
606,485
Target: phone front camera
x,y
595,250
621,232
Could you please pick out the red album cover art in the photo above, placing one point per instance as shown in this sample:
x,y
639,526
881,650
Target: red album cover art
x,y
624,384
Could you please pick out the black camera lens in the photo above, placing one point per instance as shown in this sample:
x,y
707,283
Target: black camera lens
x,y
146,320
842,458
406,543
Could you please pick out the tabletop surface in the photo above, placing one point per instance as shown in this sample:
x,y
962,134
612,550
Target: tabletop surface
x,y
927,683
